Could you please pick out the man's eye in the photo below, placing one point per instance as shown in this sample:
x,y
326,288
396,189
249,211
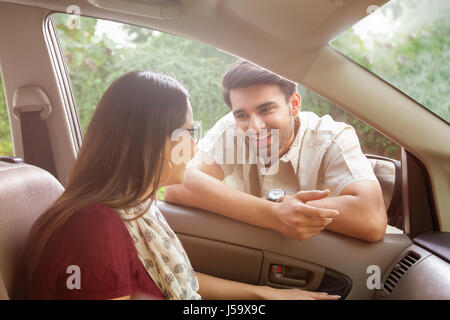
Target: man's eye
x,y
266,109
241,116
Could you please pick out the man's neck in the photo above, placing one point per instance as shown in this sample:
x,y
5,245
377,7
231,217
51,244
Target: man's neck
x,y
292,138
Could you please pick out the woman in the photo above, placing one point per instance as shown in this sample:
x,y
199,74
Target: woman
x,y
104,238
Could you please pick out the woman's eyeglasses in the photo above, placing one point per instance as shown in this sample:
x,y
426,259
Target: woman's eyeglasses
x,y
195,132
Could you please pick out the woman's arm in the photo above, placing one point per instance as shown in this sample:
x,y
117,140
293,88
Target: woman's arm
x,y
212,288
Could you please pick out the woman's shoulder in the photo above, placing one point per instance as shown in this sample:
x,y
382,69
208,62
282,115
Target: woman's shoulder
x,y
95,213
95,224
92,235
95,241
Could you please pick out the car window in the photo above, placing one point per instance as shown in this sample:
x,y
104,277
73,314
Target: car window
x,y
406,43
6,147
100,51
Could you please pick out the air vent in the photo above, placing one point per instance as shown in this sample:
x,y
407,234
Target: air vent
x,y
399,270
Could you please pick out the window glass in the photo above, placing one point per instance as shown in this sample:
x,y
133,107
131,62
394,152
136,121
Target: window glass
x,y
6,147
406,43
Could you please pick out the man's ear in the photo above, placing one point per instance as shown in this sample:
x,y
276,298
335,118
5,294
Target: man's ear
x,y
296,103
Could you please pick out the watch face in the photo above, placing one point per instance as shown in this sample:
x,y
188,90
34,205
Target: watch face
x,y
275,194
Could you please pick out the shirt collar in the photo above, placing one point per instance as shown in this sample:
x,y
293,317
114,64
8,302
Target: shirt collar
x,y
293,153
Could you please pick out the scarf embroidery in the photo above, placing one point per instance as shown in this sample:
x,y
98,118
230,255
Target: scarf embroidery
x,y
161,252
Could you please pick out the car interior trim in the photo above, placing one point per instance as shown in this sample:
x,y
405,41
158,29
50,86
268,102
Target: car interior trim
x,y
436,242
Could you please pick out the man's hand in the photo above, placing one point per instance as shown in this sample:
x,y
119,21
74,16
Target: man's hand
x,y
300,221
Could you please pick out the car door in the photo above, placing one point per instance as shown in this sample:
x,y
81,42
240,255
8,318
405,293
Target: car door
x,y
355,269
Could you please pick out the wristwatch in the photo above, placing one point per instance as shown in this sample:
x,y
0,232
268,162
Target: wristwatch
x,y
275,195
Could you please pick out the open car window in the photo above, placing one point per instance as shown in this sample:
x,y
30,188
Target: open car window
x,y
98,51
407,44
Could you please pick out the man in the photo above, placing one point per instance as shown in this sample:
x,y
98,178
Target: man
x,y
322,179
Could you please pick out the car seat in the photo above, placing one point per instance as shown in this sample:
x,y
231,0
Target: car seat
x,y
26,192
388,173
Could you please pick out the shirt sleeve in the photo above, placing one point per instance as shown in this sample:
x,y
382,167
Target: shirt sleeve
x,y
345,163
93,260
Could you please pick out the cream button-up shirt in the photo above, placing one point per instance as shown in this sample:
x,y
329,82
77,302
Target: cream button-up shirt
x,y
325,154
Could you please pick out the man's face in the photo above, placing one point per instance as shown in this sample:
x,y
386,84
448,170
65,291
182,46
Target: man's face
x,y
258,109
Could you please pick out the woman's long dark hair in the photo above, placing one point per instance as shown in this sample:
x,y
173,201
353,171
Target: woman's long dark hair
x,y
121,157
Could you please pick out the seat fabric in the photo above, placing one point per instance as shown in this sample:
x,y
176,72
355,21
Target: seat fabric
x,y
26,192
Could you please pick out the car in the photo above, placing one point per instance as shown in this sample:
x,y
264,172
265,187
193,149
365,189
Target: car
x,y
290,38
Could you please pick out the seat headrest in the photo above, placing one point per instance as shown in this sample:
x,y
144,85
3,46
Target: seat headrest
x,y
385,173
26,192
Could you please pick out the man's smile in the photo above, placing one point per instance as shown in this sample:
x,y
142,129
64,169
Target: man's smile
x,y
262,139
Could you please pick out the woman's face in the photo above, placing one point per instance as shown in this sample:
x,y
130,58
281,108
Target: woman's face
x,y
179,151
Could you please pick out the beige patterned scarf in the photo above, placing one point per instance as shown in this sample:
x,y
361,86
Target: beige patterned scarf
x,y
161,252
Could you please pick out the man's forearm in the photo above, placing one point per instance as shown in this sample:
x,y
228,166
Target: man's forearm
x,y
202,191
357,218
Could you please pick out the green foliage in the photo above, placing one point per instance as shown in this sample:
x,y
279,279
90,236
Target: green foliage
x,y
96,61
6,148
372,142
160,193
92,61
198,66
416,58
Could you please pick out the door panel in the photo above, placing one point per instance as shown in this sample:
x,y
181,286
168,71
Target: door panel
x,y
332,252
223,260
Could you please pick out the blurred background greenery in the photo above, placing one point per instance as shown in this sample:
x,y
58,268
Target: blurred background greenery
x,y
413,56
406,43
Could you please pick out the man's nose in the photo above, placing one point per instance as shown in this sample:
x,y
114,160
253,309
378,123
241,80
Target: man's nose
x,y
256,123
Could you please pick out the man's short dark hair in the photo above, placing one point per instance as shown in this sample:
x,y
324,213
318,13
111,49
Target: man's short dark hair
x,y
245,74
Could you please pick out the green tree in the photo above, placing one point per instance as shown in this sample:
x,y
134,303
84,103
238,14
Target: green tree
x,y
92,62
416,58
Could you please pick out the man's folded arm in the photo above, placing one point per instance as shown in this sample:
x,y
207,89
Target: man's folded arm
x,y
203,188
362,211
359,198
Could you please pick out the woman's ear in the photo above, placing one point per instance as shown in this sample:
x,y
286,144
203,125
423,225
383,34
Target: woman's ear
x,y
296,103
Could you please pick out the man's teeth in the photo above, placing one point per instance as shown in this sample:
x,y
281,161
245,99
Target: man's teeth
x,y
262,137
